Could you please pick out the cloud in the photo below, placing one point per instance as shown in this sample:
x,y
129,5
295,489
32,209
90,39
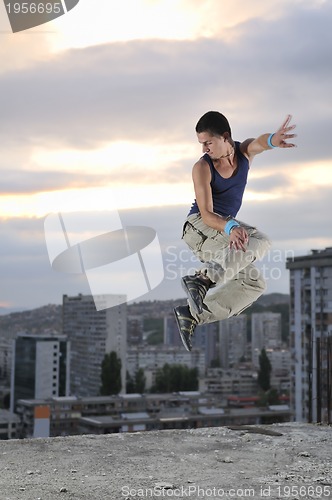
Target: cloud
x,y
153,92
156,90
31,182
272,183
293,218
27,279
19,182
21,50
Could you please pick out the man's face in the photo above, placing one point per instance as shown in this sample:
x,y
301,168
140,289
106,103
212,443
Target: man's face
x,y
214,146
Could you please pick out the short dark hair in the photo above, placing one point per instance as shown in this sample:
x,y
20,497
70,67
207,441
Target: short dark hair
x,y
213,122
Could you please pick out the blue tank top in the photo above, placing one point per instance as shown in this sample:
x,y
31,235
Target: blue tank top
x,y
227,194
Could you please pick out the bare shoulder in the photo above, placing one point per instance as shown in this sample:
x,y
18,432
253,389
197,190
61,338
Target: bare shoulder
x,y
201,167
244,147
201,163
201,170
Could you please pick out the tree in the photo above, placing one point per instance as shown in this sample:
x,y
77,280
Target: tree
x,y
163,379
175,378
130,384
264,373
136,383
273,397
111,374
140,381
270,397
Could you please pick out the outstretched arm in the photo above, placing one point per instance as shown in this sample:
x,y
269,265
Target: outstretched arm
x,y
252,147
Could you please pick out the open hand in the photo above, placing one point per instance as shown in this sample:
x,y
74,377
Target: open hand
x,y
280,137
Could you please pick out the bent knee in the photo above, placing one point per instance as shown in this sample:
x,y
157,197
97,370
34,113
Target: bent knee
x,y
256,280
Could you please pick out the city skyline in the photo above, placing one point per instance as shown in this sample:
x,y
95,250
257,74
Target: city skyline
x,y
100,113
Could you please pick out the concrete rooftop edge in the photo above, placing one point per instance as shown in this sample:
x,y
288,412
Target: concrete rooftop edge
x,y
180,463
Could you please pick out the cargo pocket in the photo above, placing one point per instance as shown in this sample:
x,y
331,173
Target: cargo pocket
x,y
193,237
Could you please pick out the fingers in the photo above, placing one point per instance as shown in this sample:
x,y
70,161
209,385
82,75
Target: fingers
x,y
284,136
238,245
239,239
285,127
286,122
287,145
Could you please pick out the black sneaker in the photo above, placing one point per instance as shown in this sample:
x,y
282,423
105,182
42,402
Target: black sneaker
x,y
196,288
186,325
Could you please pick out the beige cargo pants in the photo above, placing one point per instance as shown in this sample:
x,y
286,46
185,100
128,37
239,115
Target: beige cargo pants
x,y
238,283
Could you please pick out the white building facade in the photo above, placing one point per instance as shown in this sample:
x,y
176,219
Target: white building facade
x,y
40,367
150,359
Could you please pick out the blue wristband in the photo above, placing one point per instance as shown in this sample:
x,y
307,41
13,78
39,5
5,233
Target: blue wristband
x,y
229,225
269,143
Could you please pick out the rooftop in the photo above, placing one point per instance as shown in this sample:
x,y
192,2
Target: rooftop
x,y
273,461
319,258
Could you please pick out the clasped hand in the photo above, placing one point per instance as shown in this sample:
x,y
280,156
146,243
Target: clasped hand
x,y
238,239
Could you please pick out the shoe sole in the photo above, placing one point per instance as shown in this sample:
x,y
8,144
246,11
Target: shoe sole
x,y
192,304
184,342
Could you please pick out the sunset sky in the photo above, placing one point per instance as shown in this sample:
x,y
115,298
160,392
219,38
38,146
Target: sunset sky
x,y
98,112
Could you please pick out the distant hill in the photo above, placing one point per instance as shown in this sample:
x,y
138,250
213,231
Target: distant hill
x,y
43,319
272,299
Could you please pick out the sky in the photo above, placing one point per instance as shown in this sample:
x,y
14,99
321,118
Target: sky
x,y
98,114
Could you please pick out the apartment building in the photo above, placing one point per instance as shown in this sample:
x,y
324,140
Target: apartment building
x,y
311,335
265,333
206,338
232,340
40,367
227,382
151,358
92,334
141,412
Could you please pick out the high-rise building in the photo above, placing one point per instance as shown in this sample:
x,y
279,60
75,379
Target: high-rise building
x,y
92,335
232,340
40,367
265,333
171,332
205,338
311,335
134,330
6,345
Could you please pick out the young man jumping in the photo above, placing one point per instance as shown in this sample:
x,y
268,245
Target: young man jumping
x,y
226,246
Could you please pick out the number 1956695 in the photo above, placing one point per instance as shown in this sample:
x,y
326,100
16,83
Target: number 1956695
x,y
34,8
